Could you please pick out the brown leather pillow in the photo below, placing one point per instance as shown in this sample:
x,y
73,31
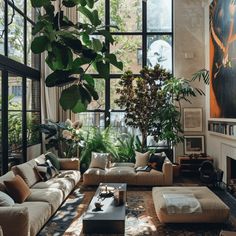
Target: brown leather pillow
x,y
17,189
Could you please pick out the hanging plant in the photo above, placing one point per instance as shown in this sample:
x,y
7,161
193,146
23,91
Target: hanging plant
x,y
71,48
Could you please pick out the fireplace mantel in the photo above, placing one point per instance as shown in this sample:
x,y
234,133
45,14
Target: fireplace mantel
x,y
226,151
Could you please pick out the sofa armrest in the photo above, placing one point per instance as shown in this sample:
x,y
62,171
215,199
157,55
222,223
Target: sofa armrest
x,y
69,163
14,220
167,170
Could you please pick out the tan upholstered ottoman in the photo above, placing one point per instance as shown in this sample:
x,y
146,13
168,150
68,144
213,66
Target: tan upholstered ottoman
x,y
213,209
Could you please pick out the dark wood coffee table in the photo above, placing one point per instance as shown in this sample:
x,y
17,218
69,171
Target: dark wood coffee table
x,y
110,219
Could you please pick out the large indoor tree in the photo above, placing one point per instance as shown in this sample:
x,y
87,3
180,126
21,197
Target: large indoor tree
x,y
72,48
152,102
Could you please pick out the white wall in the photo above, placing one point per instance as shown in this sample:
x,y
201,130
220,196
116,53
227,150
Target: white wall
x,y
189,41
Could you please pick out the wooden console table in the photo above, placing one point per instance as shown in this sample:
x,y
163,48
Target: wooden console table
x,y
191,165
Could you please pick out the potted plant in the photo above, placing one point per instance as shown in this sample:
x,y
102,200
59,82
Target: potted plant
x,y
65,137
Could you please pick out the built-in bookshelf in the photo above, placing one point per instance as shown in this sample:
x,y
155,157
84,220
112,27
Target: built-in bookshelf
x,y
222,127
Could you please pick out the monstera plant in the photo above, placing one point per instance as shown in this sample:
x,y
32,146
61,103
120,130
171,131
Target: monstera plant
x,y
71,48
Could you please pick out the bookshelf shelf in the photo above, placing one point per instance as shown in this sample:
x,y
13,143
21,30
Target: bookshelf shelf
x,y
222,135
223,129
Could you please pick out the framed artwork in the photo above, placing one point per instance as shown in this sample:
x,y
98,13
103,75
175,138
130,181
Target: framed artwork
x,y
222,59
194,144
192,119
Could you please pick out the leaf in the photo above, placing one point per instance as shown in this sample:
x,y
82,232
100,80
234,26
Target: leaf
x,y
49,8
113,60
90,3
92,91
81,61
59,78
80,107
60,57
39,44
87,13
69,3
39,3
89,79
103,69
96,20
69,97
107,35
38,27
97,45
82,2
84,94
72,42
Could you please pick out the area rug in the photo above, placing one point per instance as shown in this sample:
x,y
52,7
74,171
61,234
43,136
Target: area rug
x,y
141,219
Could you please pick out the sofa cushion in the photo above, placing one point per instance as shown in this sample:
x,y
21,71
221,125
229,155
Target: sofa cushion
x,y
17,189
53,159
72,175
141,159
153,178
39,213
27,172
6,200
8,176
99,160
93,176
156,161
51,195
64,184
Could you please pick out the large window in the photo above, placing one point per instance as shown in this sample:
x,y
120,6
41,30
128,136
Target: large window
x,y
16,21
144,38
19,85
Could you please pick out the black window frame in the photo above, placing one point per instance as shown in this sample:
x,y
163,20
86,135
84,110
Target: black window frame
x,y
144,34
9,66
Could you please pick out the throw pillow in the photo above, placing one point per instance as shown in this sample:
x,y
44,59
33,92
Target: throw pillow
x,y
156,161
53,159
141,159
99,160
17,189
46,171
6,200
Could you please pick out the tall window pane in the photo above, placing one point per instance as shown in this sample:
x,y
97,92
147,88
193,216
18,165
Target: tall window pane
x,y
90,119
16,37
159,15
2,10
100,88
159,51
15,119
20,4
127,15
127,50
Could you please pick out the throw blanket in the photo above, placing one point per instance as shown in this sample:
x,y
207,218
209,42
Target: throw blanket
x,y
182,203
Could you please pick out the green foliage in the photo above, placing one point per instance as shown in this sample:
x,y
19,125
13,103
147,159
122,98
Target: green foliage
x,y
65,137
97,140
126,146
71,48
153,102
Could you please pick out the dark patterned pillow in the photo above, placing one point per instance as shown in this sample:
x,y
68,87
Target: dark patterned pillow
x,y
156,161
46,171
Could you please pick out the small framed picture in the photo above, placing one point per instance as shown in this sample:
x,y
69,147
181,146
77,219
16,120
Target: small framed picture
x,y
192,119
194,144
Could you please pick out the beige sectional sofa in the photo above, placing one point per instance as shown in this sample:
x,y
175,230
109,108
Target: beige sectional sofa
x,y
125,173
27,218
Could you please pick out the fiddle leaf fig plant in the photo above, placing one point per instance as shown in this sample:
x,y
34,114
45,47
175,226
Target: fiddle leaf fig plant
x,y
71,48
